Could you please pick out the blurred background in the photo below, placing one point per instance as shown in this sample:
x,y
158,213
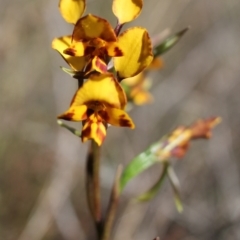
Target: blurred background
x,y
42,165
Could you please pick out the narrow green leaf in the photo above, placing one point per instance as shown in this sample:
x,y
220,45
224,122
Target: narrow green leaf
x,y
139,164
75,74
176,188
71,129
178,203
151,193
68,71
169,43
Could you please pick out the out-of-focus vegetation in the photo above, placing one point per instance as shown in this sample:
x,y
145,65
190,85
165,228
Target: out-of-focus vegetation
x,y
42,165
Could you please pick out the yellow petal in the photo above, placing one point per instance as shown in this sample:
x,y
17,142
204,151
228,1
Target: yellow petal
x,y
75,113
94,129
126,10
103,88
137,48
62,43
132,81
90,27
117,117
72,10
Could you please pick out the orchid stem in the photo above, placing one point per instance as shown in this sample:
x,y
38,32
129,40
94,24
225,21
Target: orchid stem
x,y
118,28
93,184
112,206
80,82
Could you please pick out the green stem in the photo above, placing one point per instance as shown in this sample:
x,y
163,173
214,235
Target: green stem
x,y
112,206
151,193
93,184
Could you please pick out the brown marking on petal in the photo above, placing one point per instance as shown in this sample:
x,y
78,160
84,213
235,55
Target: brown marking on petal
x,y
70,52
118,52
101,52
89,50
89,112
66,116
104,115
96,106
124,122
87,131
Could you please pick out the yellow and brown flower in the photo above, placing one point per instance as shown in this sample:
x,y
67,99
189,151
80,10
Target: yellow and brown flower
x,y
94,41
94,37
100,101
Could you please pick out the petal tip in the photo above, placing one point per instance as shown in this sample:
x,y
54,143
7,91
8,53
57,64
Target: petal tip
x,y
72,10
66,116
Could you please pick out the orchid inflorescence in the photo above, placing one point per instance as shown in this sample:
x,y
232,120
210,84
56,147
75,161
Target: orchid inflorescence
x,y
90,51
111,67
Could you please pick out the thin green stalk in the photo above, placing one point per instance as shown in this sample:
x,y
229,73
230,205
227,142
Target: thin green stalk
x,y
112,206
151,193
93,184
